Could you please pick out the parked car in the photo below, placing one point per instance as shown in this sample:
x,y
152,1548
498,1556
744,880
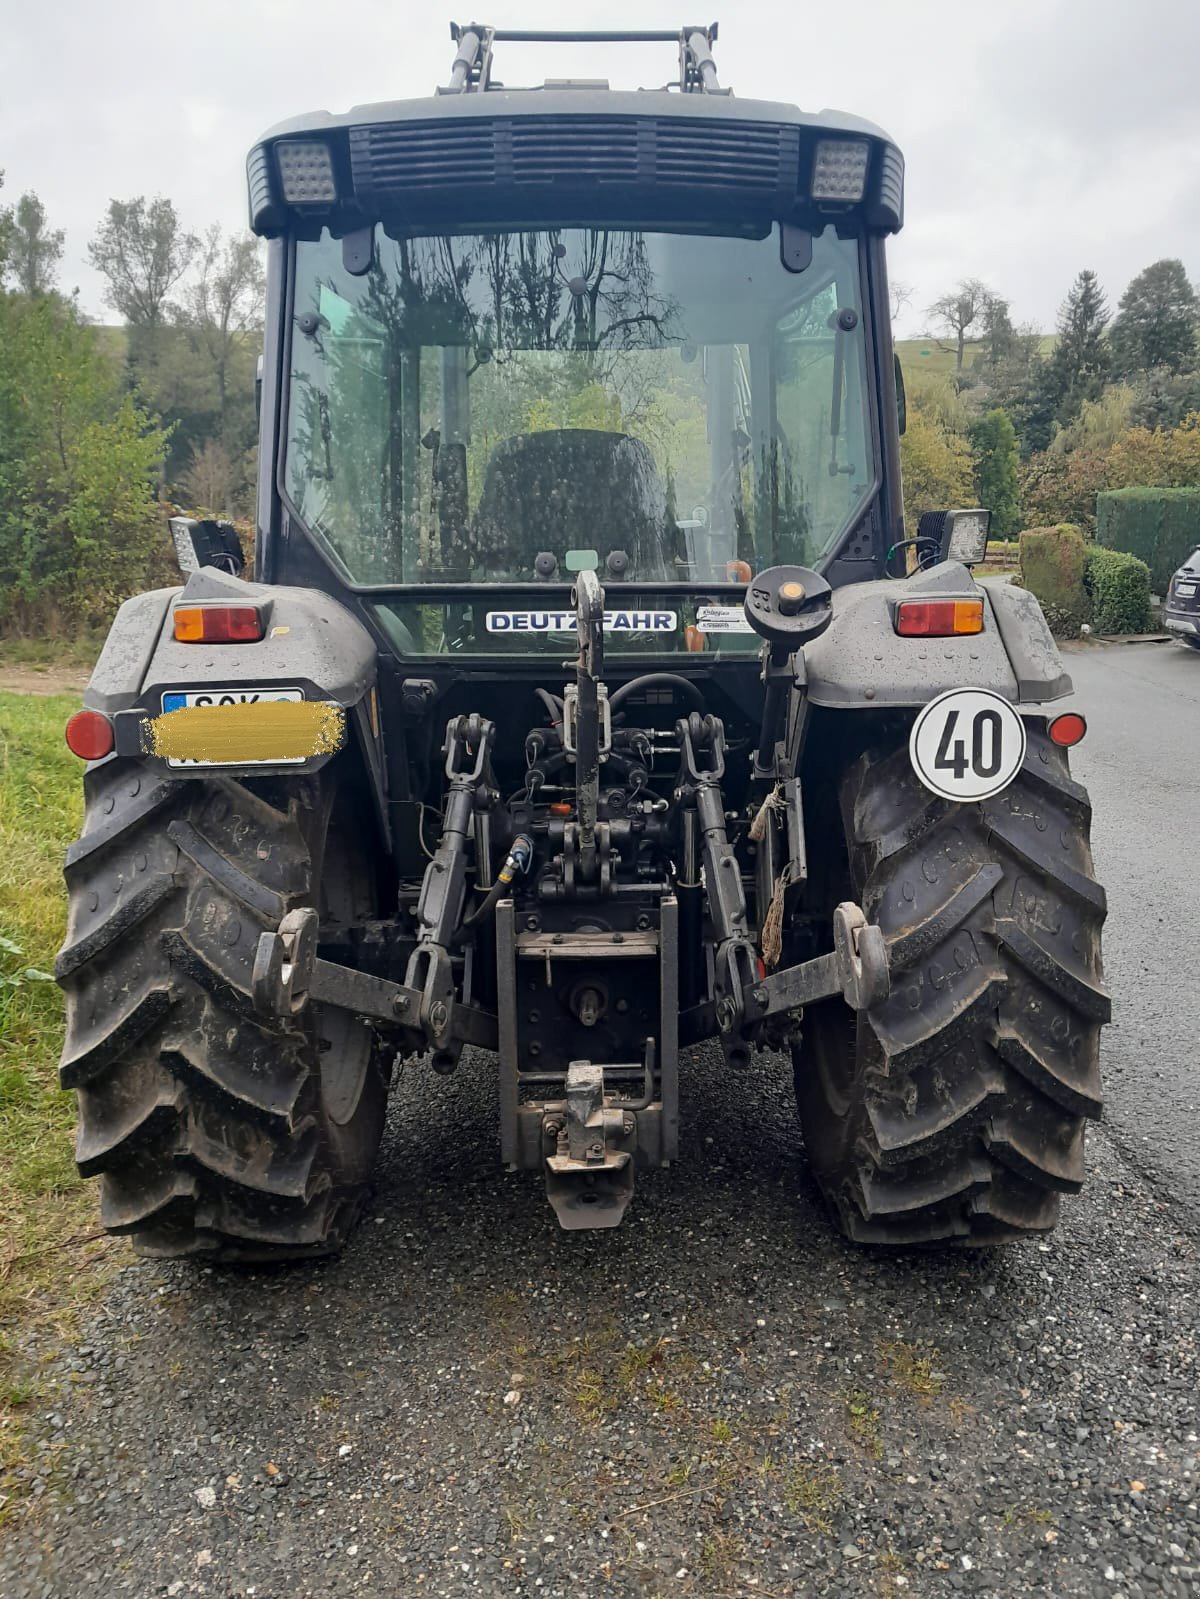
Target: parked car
x,y
1181,613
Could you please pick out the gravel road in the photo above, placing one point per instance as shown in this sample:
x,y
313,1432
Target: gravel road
x,y
1141,761
720,1399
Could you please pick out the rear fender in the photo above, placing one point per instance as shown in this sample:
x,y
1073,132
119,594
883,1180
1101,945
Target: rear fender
x,y
310,643
862,663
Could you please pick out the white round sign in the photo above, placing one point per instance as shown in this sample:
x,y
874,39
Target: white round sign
x,y
967,744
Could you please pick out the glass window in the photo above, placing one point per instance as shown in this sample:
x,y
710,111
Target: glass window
x,y
476,401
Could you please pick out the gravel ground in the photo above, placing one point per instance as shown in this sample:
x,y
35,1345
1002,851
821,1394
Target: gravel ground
x,y
719,1399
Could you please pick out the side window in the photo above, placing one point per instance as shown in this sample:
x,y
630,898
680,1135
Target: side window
x,y
819,357
339,469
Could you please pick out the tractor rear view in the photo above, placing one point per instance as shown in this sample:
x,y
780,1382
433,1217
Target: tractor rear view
x,y
588,703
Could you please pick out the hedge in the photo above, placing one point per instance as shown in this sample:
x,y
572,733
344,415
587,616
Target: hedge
x,y
1161,526
1118,586
1052,568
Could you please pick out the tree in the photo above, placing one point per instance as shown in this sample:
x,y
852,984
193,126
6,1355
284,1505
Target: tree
x,y
1164,459
1156,321
6,226
994,445
935,467
999,335
141,252
33,249
1076,370
959,310
900,295
1165,398
1081,358
1062,488
78,524
223,307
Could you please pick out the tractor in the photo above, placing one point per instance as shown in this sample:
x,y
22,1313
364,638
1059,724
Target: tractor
x,y
587,701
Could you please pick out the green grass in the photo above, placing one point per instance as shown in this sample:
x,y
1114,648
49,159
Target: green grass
x,y
47,1217
936,355
48,654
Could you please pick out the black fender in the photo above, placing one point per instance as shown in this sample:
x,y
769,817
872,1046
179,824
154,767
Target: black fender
x,y
310,642
861,663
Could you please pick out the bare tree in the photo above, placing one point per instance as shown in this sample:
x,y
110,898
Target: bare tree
x,y
959,309
901,296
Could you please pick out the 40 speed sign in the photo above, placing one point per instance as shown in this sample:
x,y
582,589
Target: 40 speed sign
x,y
967,744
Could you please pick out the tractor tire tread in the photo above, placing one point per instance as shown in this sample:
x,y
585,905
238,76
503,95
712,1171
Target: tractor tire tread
x,y
201,1118
969,1085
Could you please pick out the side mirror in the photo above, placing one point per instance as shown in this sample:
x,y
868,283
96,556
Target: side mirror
x,y
206,542
258,381
901,402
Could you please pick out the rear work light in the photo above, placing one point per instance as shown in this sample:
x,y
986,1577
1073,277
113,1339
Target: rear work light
x,y
89,735
306,171
840,169
1067,729
938,618
218,624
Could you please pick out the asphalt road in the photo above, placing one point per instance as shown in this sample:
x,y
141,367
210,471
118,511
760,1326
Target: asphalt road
x,y
1141,762
720,1400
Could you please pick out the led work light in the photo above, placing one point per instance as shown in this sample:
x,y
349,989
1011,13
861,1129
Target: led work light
x,y
966,534
840,169
306,172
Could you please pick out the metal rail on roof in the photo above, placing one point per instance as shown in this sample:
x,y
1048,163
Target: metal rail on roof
x,y
472,68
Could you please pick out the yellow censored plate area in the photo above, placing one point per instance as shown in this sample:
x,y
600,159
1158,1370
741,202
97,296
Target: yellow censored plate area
x,y
265,732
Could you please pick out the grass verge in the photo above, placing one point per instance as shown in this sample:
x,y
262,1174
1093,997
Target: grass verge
x,y
48,654
49,1247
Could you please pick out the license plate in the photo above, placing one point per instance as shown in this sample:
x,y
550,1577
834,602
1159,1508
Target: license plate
x,y
1182,590
230,696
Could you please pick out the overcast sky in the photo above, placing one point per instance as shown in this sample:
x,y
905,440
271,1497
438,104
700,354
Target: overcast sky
x,y
1041,136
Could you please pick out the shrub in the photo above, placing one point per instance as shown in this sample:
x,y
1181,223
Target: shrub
x,y
1052,568
1161,526
994,444
935,467
1118,587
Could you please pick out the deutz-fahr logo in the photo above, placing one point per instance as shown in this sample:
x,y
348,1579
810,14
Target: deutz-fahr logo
x,y
564,621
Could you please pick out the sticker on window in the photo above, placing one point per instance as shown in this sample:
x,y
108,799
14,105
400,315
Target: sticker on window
x,y
722,619
564,621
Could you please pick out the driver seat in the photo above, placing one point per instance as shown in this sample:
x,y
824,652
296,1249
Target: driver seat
x,y
568,489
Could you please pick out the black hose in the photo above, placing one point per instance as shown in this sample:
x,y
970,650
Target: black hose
x,y
552,703
519,859
657,679
486,904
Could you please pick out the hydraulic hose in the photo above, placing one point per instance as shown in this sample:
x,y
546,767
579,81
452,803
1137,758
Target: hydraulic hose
x,y
519,859
552,703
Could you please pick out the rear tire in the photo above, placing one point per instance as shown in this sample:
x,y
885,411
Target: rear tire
x,y
214,1130
955,1110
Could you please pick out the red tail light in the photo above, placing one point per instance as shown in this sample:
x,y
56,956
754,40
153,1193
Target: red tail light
x,y
938,618
218,624
89,735
1067,729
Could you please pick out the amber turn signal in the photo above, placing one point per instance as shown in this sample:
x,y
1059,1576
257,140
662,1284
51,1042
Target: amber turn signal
x,y
218,624
89,735
1067,729
938,618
